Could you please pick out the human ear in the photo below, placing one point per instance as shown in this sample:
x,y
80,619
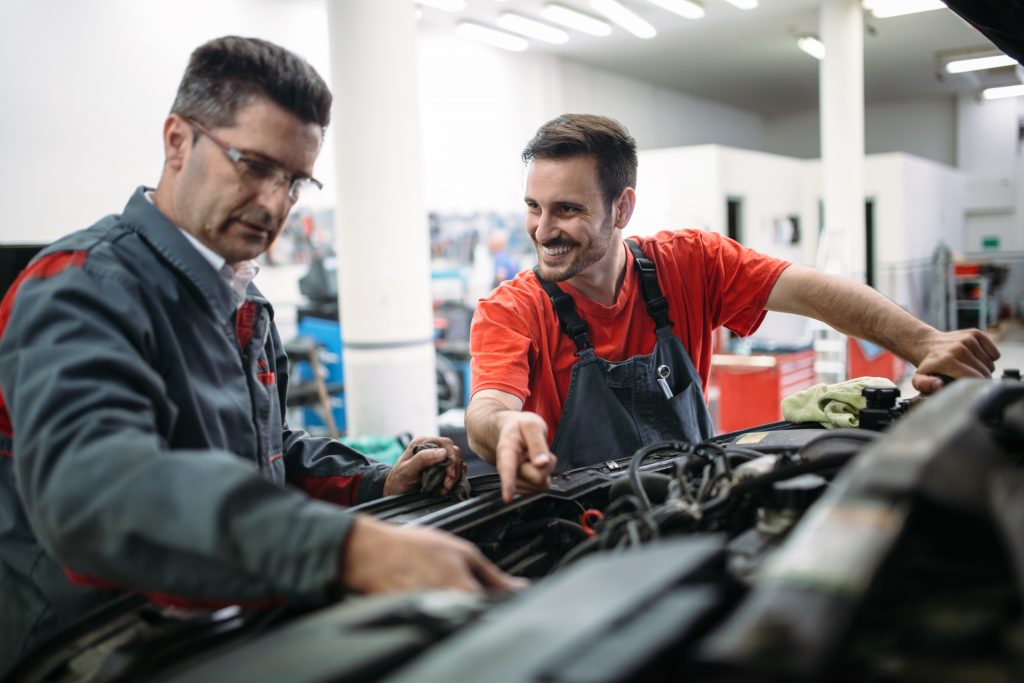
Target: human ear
x,y
177,141
624,207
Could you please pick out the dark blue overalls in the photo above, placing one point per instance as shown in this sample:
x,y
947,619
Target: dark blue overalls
x,y
614,408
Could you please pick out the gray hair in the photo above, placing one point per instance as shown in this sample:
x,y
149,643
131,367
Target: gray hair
x,y
224,74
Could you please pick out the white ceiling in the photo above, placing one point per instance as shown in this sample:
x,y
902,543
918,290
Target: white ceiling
x,y
749,59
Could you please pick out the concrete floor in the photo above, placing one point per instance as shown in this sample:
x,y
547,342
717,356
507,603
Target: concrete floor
x,y
1013,356
1010,341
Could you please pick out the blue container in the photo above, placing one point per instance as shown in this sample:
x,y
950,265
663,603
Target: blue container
x,y
327,334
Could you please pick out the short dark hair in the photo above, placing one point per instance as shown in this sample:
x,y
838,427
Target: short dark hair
x,y
224,74
572,135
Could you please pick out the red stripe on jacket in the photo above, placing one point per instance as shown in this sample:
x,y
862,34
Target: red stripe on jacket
x,y
166,600
43,267
245,318
342,490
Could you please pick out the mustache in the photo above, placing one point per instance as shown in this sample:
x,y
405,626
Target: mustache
x,y
261,218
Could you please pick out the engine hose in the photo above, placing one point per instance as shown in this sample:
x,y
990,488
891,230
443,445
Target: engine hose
x,y
655,484
641,455
825,462
546,524
583,548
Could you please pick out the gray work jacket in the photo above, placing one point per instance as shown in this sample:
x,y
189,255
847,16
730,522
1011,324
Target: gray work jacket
x,y
143,441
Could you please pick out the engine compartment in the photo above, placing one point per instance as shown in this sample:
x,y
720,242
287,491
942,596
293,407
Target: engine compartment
x,y
782,553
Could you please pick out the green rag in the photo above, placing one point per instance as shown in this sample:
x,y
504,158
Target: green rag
x,y
832,405
385,449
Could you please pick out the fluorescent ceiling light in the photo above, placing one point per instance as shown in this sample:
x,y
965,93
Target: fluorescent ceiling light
x,y
446,5
1004,91
491,36
517,23
883,9
960,66
743,4
624,17
561,14
690,9
811,46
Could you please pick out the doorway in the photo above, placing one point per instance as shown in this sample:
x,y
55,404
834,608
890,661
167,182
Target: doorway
x,y
734,218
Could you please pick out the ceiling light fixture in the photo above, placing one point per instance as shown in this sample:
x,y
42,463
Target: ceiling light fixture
x,y
883,9
560,14
812,46
1003,91
517,23
959,66
743,4
491,36
690,9
446,5
625,18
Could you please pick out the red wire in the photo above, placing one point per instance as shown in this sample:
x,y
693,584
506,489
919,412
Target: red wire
x,y
589,517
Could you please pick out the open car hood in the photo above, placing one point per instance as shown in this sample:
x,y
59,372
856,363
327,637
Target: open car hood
x,y
842,556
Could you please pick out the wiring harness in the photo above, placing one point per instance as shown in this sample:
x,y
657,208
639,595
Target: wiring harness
x,y
709,487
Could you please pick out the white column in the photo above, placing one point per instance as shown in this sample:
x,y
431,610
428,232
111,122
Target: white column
x,y
382,240
1017,220
841,82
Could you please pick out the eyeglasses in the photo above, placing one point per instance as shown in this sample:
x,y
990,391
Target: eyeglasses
x,y
258,171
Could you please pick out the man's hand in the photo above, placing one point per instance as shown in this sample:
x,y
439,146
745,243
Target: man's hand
x,y
522,457
383,558
515,442
961,353
405,475
859,311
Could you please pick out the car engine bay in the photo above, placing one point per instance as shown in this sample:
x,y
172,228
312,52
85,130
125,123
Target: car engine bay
x,y
781,553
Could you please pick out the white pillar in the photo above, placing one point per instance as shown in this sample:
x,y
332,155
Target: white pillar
x,y
382,239
841,82
1017,220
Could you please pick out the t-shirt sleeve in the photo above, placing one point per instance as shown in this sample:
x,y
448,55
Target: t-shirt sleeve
x,y
739,282
500,348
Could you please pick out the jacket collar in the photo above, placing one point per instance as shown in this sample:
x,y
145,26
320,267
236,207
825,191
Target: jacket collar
x,y
170,242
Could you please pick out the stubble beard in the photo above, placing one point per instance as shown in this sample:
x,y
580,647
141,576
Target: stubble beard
x,y
243,244
587,256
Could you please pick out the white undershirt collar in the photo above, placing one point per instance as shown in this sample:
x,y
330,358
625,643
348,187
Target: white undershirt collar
x,y
238,277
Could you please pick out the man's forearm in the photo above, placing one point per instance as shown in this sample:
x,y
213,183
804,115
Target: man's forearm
x,y
853,309
514,441
483,426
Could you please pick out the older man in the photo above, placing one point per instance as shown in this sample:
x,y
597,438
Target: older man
x,y
143,441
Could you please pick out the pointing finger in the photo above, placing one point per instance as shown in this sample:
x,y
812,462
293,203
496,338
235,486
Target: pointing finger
x,y
507,464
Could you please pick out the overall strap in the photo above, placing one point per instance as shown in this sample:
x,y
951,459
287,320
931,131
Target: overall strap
x,y
657,305
572,325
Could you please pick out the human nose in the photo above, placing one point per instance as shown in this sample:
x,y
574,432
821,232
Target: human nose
x,y
276,198
544,226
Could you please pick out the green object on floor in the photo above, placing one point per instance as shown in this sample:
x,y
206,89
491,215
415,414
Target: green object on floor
x,y
385,449
831,405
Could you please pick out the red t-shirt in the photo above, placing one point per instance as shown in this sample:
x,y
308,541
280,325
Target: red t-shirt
x,y
709,280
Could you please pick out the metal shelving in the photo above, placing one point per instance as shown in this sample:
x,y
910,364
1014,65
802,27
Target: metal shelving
x,y
973,295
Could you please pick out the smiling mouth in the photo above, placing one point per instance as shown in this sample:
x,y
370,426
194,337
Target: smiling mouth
x,y
555,251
